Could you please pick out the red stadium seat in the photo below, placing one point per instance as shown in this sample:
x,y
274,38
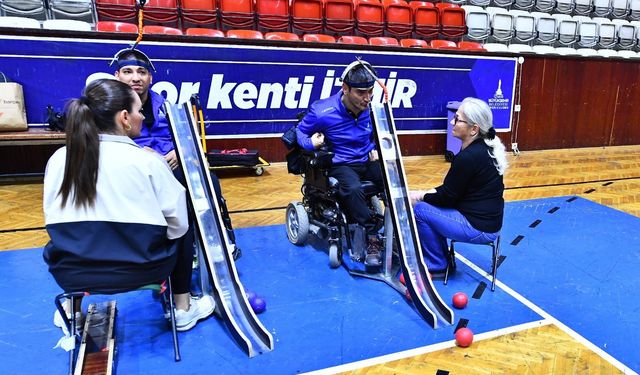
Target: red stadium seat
x,y
198,31
161,12
452,20
272,15
281,35
319,38
369,17
414,43
426,19
116,27
245,34
307,15
471,46
339,17
116,10
158,29
350,39
236,14
399,18
383,41
199,13
443,44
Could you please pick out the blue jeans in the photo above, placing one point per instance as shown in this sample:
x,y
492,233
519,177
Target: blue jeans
x,y
436,224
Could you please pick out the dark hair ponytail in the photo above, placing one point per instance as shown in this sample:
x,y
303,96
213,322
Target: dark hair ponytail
x,y
85,118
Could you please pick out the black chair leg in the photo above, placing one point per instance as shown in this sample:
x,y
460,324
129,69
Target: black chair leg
x,y
494,264
451,264
172,314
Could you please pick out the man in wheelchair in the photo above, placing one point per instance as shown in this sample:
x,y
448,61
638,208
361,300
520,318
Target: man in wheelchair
x,y
342,122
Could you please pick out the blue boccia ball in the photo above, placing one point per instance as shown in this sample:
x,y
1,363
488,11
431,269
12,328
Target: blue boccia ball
x,y
258,304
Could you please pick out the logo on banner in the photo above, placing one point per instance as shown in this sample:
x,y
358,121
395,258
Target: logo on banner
x,y
499,101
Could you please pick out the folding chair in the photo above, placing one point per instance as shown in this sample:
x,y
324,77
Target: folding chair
x,y
426,19
495,246
237,14
272,15
116,27
399,18
369,16
307,16
339,17
70,323
199,13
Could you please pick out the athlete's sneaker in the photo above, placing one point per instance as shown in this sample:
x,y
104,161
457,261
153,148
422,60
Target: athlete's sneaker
x,y
59,322
200,308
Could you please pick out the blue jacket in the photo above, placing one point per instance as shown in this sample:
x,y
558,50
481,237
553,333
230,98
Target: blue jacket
x,y
158,136
350,138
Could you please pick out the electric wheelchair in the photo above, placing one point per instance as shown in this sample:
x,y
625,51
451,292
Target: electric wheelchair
x,y
319,213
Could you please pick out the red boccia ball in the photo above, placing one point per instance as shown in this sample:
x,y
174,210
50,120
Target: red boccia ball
x,y
460,300
401,279
464,337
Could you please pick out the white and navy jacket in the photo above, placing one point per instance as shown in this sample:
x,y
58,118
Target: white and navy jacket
x,y
125,240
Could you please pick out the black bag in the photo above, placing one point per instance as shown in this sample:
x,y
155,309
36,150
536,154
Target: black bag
x,y
240,156
295,161
55,120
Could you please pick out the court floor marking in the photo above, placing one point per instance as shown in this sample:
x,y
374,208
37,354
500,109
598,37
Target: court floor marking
x,y
575,335
548,319
426,349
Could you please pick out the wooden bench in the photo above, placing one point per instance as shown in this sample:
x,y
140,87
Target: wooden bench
x,y
32,136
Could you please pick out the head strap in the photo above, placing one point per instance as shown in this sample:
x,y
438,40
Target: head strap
x,y
121,63
358,85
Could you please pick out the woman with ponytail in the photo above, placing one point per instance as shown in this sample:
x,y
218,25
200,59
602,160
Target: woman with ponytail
x,y
468,206
115,214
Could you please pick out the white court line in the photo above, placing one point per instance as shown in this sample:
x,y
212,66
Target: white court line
x,y
576,336
548,319
425,349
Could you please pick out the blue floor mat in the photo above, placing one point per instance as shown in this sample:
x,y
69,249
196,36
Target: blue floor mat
x,y
321,317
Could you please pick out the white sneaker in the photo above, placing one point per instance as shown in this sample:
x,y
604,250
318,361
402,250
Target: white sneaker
x,y
59,322
200,308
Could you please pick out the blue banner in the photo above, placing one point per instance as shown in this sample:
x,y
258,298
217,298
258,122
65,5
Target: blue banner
x,y
257,91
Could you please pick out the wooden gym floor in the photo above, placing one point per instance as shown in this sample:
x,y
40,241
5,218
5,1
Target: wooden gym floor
x,y
609,176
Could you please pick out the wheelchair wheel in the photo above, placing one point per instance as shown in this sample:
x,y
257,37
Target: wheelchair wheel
x,y
335,256
297,222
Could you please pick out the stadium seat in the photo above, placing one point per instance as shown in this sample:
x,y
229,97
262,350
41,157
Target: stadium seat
x,y
626,33
199,31
526,5
116,10
236,14
503,3
583,7
443,44
546,27
520,48
369,16
319,38
414,43
545,6
452,21
544,50
470,46
339,17
478,23
307,16
116,27
567,30
496,47
351,39
159,29
272,15
607,38
161,12
399,18
36,9
21,22
74,25
601,8
383,41
199,13
81,10
244,34
565,6
426,19
634,10
281,35
587,32
524,27
502,26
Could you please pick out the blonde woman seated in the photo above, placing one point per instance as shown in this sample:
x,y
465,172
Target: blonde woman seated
x,y
468,206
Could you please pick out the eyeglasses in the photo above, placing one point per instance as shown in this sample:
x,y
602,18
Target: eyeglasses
x,y
456,120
